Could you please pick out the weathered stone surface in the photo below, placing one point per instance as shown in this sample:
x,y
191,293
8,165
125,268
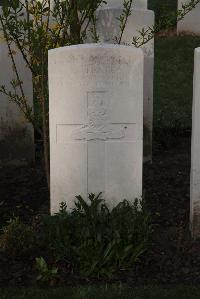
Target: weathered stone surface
x,y
140,4
107,29
191,21
96,120
195,151
16,134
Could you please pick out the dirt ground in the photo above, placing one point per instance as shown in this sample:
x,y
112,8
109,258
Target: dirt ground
x,y
172,258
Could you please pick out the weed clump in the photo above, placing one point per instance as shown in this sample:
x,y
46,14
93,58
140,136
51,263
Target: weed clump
x,y
95,240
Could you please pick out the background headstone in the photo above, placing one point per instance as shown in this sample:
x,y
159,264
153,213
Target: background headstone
x,y
140,4
191,21
195,151
16,134
96,121
107,28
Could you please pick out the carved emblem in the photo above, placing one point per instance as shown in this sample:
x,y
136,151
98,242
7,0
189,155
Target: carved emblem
x,y
98,125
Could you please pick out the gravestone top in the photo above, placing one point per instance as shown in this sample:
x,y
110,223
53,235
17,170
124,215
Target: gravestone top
x,y
99,47
136,4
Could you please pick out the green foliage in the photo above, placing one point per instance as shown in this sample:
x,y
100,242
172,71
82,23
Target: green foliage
x,y
95,240
17,238
45,274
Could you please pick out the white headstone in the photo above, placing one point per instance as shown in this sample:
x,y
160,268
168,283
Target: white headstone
x,y
96,119
140,4
16,134
191,21
195,151
107,28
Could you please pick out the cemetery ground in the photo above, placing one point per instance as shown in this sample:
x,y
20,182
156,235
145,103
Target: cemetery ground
x,y
110,292
172,258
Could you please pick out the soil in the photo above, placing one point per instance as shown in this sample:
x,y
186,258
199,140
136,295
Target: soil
x,y
173,256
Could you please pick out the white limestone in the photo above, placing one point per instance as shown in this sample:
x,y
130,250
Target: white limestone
x,y
96,120
140,4
195,151
191,21
107,29
16,134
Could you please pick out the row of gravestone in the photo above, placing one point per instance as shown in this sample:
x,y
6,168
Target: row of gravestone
x,y
17,137
100,97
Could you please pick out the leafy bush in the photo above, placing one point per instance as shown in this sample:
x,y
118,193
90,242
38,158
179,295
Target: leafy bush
x,y
96,241
45,273
17,238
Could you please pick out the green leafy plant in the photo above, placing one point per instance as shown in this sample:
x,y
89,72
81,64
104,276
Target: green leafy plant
x,y
45,273
17,238
95,240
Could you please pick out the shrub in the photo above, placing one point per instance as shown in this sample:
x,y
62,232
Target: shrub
x,y
95,240
17,238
